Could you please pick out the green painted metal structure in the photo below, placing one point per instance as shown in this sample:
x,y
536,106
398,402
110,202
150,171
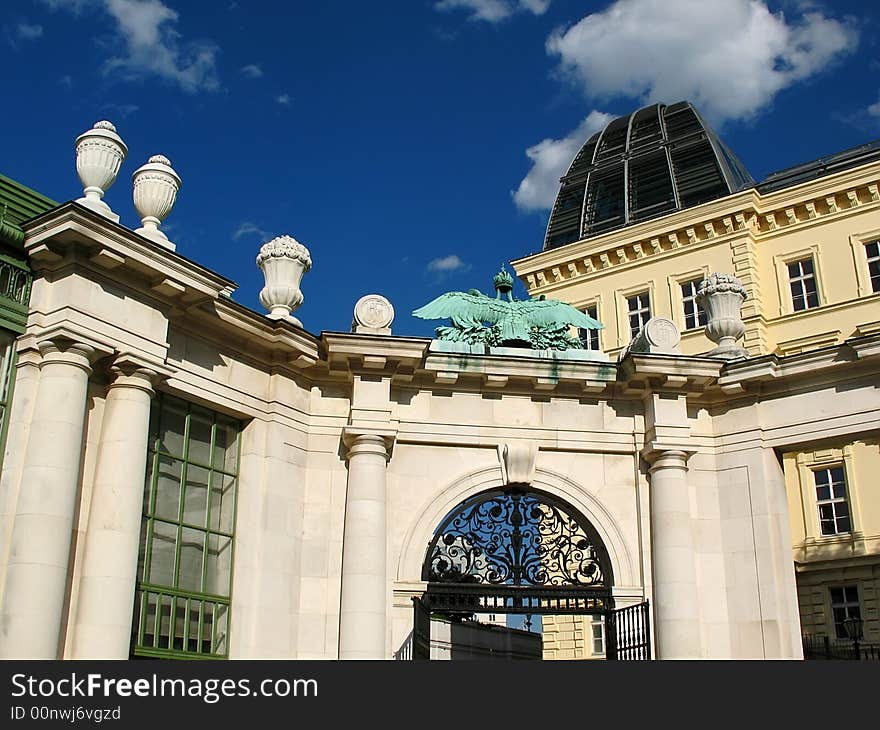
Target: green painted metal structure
x,y
18,203
537,323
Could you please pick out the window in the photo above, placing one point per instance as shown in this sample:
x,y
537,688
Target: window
x,y
834,516
694,314
872,252
185,563
597,626
844,605
639,310
802,280
590,338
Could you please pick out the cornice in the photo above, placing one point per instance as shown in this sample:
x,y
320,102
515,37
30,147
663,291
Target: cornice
x,y
72,232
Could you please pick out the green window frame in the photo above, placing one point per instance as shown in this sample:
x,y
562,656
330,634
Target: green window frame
x,y
185,563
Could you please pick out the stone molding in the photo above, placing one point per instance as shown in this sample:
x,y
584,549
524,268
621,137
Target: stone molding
x,y
375,440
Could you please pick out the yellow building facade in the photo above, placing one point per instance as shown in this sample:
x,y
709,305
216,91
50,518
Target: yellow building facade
x,y
804,243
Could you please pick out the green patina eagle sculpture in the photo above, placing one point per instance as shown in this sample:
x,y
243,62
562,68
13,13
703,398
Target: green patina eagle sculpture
x,y
537,323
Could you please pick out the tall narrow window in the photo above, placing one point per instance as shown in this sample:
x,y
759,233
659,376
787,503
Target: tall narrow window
x,y
590,338
183,595
802,280
639,311
694,315
834,518
597,628
844,605
872,251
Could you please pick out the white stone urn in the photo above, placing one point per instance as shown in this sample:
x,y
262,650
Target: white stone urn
x,y
155,189
721,296
100,153
283,261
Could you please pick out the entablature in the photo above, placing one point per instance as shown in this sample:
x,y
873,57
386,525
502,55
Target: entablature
x,y
72,234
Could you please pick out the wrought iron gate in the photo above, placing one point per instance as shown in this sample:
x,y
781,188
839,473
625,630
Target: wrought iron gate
x,y
628,633
521,551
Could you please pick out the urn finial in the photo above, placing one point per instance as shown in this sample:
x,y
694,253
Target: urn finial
x,y
100,153
155,189
283,261
722,295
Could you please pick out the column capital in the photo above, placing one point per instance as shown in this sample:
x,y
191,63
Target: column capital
x,y
360,439
134,370
71,351
667,455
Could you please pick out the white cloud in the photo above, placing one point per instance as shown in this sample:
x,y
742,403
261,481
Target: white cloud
x,y
730,57
494,11
153,47
550,161
252,71
28,32
874,109
250,229
283,99
447,264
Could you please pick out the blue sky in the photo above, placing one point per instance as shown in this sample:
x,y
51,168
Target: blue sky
x,y
411,145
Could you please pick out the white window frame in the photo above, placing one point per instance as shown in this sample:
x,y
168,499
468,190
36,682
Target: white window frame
x,y
786,305
873,259
589,334
807,463
859,245
597,622
847,605
832,500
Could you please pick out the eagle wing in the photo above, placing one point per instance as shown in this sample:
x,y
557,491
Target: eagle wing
x,y
544,312
458,305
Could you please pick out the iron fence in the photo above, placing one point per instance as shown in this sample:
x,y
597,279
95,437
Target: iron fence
x,y
824,647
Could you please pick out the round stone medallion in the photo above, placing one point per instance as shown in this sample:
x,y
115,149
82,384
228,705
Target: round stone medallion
x,y
374,311
662,333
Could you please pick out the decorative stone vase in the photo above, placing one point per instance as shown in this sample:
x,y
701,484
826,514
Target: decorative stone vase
x,y
283,261
100,153
155,189
721,296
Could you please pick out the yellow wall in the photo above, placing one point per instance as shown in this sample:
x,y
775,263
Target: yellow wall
x,y
568,637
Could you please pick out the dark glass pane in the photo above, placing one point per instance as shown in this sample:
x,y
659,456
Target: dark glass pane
x,y
164,541
200,437
166,503
195,505
172,424
219,557
807,266
192,550
852,595
843,524
821,476
823,492
222,502
836,595
839,490
836,474
226,445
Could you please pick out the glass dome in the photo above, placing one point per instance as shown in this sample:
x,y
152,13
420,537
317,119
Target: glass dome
x,y
654,161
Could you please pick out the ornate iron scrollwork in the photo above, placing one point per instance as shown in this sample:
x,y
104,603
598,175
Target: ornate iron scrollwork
x,y
519,539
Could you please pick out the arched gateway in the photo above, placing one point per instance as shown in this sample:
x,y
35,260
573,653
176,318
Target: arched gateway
x,y
522,551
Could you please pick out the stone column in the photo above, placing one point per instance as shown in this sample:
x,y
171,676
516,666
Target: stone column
x,y
364,580
34,597
676,601
112,540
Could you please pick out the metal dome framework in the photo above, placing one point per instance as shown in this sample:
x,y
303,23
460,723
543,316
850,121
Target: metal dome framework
x,y
654,161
